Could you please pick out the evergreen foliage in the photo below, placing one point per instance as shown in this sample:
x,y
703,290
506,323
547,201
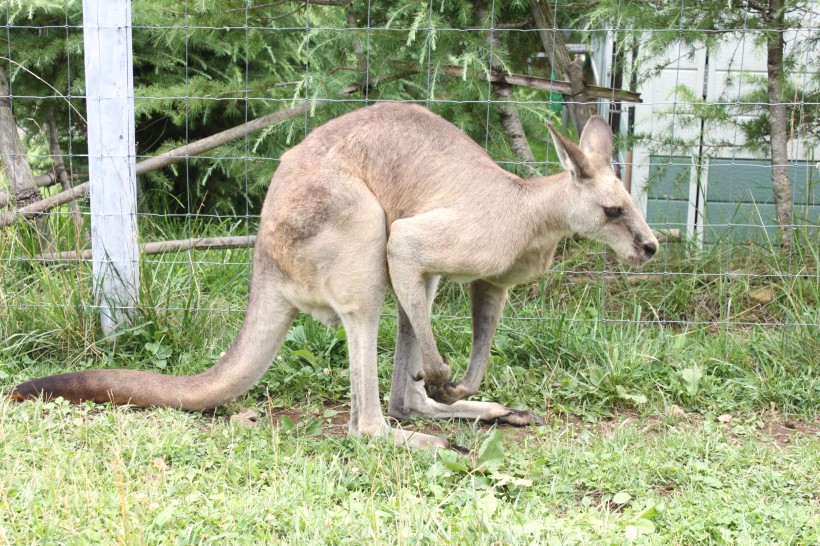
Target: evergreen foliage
x,y
202,67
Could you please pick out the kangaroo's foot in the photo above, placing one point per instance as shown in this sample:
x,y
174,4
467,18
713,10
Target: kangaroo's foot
x,y
378,428
423,441
420,405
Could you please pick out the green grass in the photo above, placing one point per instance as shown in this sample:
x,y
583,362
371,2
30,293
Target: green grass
x,y
75,475
681,405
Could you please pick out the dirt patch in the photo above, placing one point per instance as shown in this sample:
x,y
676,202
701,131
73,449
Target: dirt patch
x,y
333,418
782,430
766,427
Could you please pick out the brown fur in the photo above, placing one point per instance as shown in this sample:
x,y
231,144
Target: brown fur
x,y
393,196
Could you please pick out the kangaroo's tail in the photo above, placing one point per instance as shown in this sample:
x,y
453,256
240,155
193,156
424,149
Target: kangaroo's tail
x,y
266,323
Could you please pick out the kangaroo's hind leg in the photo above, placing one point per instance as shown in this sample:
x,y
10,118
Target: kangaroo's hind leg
x,y
340,270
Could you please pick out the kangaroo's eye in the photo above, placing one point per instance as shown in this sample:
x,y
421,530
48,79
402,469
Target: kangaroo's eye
x,y
613,212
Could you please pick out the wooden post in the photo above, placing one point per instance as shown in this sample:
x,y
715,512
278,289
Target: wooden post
x,y
109,83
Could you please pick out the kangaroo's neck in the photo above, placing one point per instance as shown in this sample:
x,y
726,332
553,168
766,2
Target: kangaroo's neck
x,y
545,203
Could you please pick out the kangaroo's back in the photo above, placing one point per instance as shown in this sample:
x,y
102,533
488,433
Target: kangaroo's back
x,y
411,159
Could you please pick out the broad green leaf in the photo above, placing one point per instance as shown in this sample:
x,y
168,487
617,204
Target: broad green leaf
x,y
691,379
286,424
491,452
487,504
313,427
645,526
453,461
622,497
306,355
651,511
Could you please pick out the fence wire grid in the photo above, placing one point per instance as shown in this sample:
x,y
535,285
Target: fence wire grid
x,y
696,151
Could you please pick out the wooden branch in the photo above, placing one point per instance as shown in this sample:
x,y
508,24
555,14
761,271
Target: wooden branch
x,y
41,181
214,141
556,86
334,3
159,161
526,23
163,247
38,208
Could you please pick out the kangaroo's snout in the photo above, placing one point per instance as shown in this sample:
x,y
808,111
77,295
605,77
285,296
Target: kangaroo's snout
x,y
643,249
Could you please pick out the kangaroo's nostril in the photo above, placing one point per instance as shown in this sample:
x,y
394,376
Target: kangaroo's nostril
x,y
650,249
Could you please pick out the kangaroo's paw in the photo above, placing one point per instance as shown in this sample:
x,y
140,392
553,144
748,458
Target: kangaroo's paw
x,y
419,405
436,374
448,393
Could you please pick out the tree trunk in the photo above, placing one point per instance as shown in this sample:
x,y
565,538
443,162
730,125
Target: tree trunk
x,y
358,51
562,65
512,123
12,155
506,110
778,125
62,173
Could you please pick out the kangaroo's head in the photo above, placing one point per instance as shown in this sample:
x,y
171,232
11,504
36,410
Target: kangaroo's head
x,y
599,207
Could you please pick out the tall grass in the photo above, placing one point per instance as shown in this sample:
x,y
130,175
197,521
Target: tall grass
x,y
719,329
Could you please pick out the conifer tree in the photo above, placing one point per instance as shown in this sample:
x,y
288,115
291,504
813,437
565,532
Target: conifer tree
x,y
202,67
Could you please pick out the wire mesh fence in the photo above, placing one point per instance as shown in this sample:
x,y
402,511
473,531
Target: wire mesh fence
x,y
715,108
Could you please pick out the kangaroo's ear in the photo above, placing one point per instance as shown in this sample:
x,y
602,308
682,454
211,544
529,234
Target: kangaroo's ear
x,y
596,142
571,157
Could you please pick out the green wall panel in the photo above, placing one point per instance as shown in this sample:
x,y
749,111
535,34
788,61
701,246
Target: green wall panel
x,y
668,191
739,202
749,181
739,193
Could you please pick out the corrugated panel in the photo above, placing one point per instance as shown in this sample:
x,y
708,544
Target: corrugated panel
x,y
749,181
668,191
740,203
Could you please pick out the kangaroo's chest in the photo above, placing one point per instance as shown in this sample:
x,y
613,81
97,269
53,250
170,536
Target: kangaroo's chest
x,y
530,264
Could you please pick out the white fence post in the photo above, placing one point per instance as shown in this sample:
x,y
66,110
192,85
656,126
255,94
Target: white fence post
x,y
109,83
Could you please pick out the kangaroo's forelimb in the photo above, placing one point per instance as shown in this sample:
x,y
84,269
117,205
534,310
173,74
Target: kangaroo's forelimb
x,y
486,303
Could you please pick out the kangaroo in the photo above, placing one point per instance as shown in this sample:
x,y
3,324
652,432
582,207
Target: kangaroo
x,y
393,195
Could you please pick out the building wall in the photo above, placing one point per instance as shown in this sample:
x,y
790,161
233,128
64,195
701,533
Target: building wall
x,y
710,188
